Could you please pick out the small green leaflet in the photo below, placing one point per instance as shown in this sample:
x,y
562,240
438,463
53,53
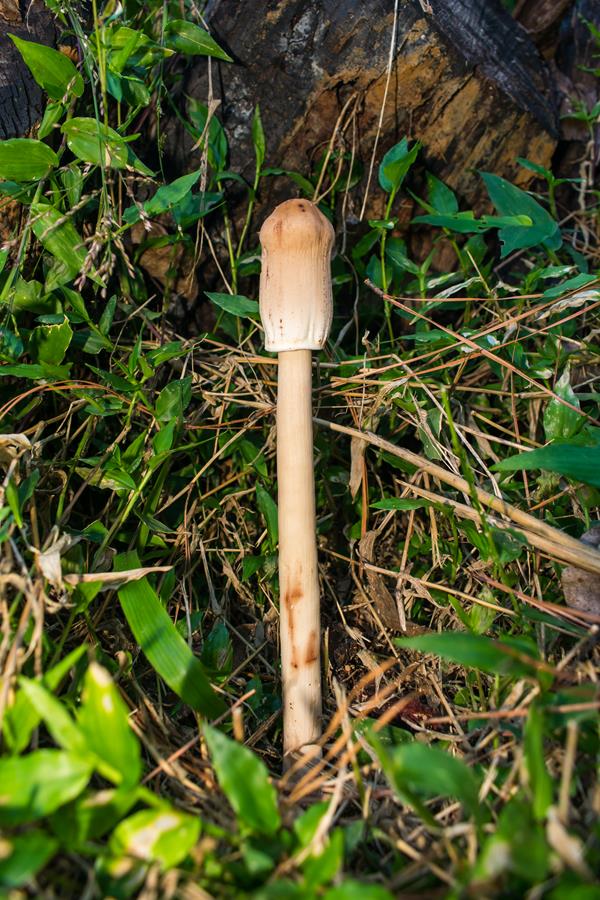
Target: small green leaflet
x,y
93,142
49,343
401,503
163,646
234,304
58,236
441,198
258,138
560,421
245,782
192,40
357,890
23,159
268,508
22,717
53,71
164,835
571,284
495,657
461,222
23,856
540,782
55,716
173,400
33,786
166,197
510,200
396,163
416,770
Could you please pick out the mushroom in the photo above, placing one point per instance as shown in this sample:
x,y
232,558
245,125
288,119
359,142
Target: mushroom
x,y
296,310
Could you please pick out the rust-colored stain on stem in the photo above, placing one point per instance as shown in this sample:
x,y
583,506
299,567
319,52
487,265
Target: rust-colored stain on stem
x,y
312,649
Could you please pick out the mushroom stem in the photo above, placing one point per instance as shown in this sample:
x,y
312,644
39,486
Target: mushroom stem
x,y
298,573
296,308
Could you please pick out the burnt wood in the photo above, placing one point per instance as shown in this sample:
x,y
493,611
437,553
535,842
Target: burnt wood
x,y
21,100
466,79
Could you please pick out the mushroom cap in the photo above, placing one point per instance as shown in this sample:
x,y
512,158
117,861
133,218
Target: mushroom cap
x,y
296,305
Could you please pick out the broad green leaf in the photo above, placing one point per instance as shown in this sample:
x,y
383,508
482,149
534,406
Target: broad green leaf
x,y
165,836
510,200
71,177
540,782
495,657
461,222
357,890
258,138
53,71
49,343
103,720
571,284
23,855
217,653
29,296
570,459
124,42
34,371
194,207
33,786
164,647
268,508
166,197
560,421
396,163
420,770
441,198
24,159
234,304
58,236
185,37
251,565
173,400
245,782
94,142
163,439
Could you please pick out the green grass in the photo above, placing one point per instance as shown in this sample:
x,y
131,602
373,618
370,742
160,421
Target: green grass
x,y
139,679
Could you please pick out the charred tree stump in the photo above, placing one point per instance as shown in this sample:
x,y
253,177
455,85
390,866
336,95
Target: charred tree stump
x,y
466,79
21,100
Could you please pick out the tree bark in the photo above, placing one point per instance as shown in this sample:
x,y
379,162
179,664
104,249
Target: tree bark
x,y
21,100
465,79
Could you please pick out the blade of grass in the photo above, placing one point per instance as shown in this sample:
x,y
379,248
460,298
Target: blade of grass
x,y
163,646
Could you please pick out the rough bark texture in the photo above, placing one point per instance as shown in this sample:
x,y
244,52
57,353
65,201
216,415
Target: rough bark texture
x,y
466,80
21,100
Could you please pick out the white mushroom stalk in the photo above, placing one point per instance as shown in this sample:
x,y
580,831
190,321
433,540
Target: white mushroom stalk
x,y
296,311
